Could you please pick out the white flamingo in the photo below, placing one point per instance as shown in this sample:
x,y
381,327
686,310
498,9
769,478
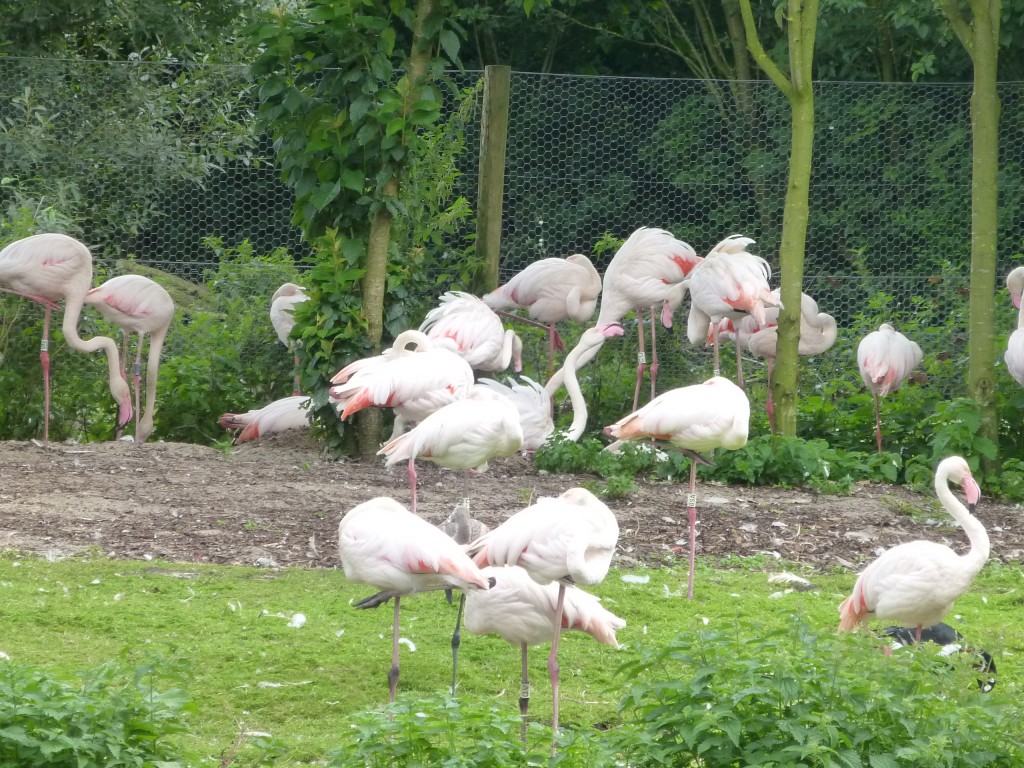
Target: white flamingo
x,y
476,331
701,417
886,358
282,306
916,583
569,539
279,416
533,404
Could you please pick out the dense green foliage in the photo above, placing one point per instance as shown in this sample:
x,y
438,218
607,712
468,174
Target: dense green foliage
x,y
112,717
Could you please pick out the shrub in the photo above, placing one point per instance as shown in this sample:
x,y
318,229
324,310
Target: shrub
x,y
112,718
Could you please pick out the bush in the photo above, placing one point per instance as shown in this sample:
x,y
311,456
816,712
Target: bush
x,y
112,718
795,697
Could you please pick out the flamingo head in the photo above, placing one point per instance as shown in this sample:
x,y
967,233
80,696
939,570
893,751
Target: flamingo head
x,y
960,473
611,329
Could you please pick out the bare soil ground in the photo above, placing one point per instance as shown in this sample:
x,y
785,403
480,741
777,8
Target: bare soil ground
x,y
278,502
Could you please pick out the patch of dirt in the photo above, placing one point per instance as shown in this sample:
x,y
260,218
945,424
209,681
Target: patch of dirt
x,y
278,502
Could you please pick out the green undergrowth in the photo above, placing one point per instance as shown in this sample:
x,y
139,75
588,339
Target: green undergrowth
x,y
262,692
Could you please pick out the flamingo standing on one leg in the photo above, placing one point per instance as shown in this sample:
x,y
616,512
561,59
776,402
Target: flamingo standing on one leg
x,y
552,290
729,283
701,417
522,612
476,330
570,539
139,305
461,435
279,416
886,358
916,583
282,304
383,544
47,268
647,271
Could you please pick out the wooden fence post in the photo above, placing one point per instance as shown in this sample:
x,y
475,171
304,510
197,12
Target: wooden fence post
x,y
491,182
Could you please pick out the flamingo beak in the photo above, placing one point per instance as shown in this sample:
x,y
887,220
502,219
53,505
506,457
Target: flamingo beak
x,y
972,492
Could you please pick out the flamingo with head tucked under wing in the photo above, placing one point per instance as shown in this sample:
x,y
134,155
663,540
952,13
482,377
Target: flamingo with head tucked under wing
x,y
886,358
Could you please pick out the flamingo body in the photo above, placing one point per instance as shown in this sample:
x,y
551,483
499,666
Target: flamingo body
x,y
279,416
1014,355
138,305
1015,285
477,332
886,358
533,405
552,290
282,304
47,268
917,582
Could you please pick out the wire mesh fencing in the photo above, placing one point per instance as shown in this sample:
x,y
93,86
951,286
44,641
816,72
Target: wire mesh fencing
x,y
159,166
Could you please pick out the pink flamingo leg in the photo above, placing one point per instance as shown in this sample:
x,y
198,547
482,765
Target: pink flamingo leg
x,y
412,482
297,387
878,426
714,343
137,382
654,353
641,358
44,360
553,666
691,509
524,693
770,405
739,366
393,672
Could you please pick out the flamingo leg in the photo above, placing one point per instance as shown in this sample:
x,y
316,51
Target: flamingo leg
x,y
641,358
393,672
524,693
137,382
878,425
297,383
739,366
654,353
917,633
553,665
457,640
44,361
714,344
770,404
691,509
124,375
412,482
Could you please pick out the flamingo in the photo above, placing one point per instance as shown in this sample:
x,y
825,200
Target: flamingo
x,y
278,416
729,283
917,582
522,612
47,268
533,404
817,335
383,544
139,305
1014,355
569,539
585,350
552,290
886,358
414,382
701,417
282,304
646,271
476,331
461,435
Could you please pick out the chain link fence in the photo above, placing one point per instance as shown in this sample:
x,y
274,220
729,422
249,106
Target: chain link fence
x,y
151,161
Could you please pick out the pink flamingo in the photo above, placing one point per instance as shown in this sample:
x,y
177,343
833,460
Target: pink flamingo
x,y
476,331
886,358
569,540
383,544
47,268
282,304
701,417
916,583
729,283
533,404
1015,284
278,416
414,381
522,612
461,435
552,290
817,335
647,271
137,304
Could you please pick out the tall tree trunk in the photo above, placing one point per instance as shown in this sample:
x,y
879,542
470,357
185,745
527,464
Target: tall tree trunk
x,y
980,38
374,283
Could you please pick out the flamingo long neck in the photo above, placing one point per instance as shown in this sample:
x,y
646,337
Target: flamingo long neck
x,y
976,533
118,387
572,386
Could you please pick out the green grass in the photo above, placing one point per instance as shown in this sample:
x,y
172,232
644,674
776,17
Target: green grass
x,y
230,624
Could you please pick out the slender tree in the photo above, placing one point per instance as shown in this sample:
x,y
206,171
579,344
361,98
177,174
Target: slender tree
x,y
979,35
801,18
